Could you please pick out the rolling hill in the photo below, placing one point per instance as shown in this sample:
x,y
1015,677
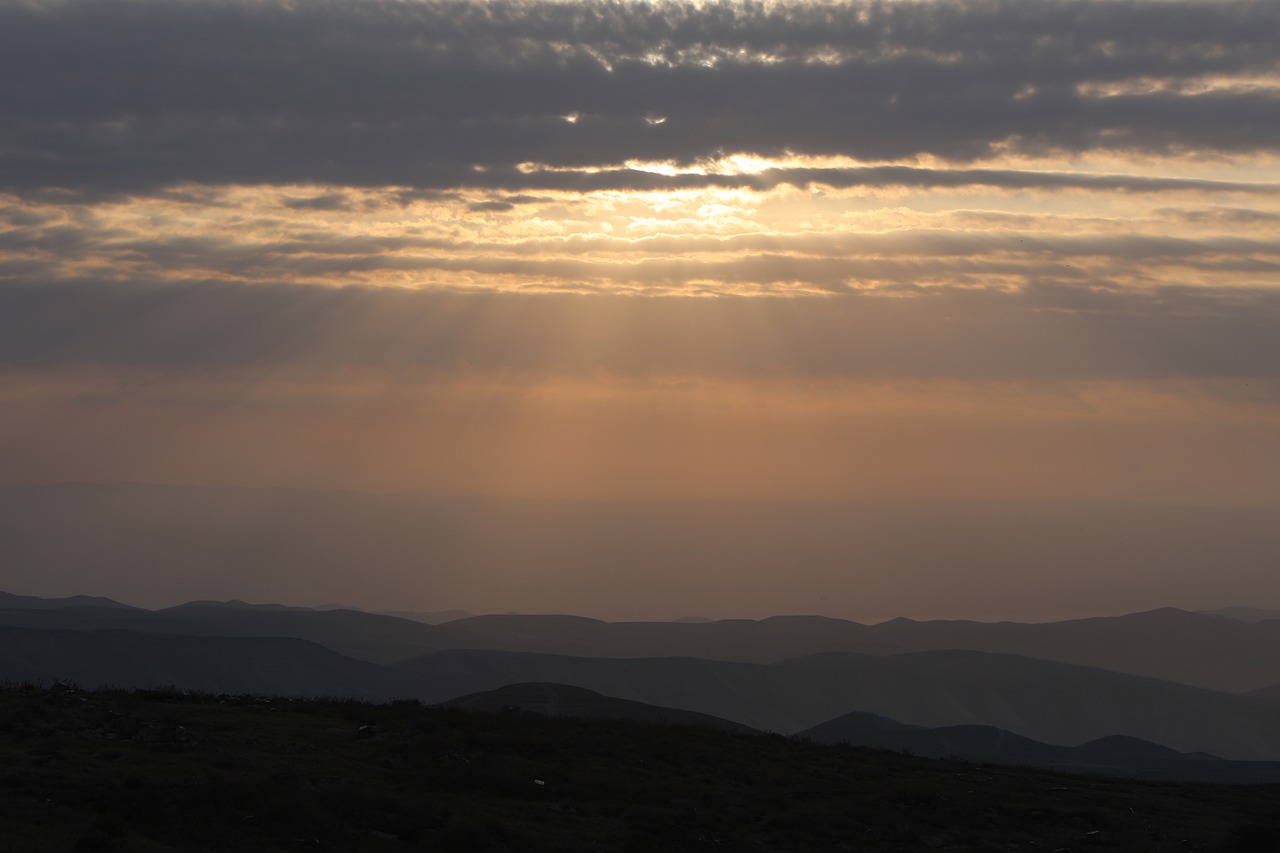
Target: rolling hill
x,y
1114,756
1044,700
562,700
274,666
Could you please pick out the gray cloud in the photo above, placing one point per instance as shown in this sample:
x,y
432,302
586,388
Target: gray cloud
x,y
659,263
491,206
868,177
325,201
129,95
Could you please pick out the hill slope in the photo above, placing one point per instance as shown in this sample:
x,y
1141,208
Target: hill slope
x,y
269,666
155,772
366,636
562,700
1115,756
1048,701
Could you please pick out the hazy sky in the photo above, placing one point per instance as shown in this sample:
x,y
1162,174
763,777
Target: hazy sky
x,y
883,251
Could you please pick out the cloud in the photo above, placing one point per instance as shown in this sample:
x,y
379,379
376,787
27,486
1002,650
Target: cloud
x,y
595,179
491,206
134,95
327,201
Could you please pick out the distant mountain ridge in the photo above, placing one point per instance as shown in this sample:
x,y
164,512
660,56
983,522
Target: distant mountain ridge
x,y
365,636
1172,645
430,617
803,674
1053,702
1244,614
1168,644
9,601
270,544
274,666
1114,755
1046,701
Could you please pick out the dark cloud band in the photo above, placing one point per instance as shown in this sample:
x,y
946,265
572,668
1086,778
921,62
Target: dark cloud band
x,y
138,94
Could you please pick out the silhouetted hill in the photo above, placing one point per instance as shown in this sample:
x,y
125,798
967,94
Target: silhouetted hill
x,y
1115,755
160,771
431,617
747,640
1169,644
1269,695
562,700
9,601
274,666
1044,700
237,604
1244,614
366,636
436,552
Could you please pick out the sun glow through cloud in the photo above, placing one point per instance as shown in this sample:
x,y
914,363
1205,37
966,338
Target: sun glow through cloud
x,y
990,227
638,250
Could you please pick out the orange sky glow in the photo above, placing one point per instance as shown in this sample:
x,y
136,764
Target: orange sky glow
x,y
909,253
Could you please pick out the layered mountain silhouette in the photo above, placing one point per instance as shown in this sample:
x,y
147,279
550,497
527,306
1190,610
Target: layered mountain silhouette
x,y
1168,644
1044,700
366,636
9,601
270,666
687,671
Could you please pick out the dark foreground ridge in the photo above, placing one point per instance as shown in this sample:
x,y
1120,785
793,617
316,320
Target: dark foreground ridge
x,y
563,700
162,770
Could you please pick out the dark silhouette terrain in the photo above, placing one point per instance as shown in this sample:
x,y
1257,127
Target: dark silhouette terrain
x,y
1115,755
562,700
1173,645
235,647
154,771
1042,700
274,665
1048,701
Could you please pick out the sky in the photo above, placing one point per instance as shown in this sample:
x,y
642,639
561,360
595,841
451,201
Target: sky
x,y
889,252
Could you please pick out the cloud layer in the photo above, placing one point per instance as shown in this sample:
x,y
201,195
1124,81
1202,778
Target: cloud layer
x,y
132,95
924,250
